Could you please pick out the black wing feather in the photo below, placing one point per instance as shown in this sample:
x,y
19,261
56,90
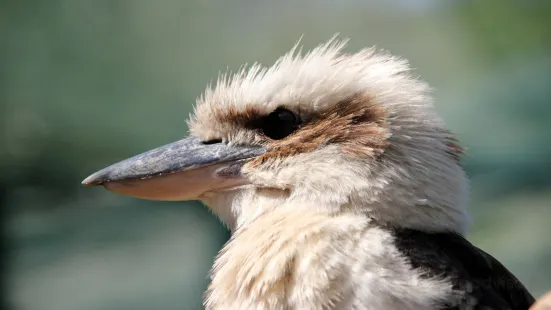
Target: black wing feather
x,y
482,281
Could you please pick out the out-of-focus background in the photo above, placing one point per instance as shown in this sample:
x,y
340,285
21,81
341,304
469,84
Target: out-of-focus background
x,y
86,83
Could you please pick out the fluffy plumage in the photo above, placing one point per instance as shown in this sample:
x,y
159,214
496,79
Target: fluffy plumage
x,y
320,226
307,260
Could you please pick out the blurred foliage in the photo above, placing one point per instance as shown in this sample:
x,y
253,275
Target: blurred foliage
x,y
86,83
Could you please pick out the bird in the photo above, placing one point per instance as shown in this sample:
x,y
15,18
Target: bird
x,y
340,183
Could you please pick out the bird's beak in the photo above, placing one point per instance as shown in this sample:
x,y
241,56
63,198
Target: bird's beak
x,y
183,170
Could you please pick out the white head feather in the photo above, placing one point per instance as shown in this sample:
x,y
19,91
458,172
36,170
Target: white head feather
x,y
416,182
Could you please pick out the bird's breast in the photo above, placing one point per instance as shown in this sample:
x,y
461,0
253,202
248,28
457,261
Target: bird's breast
x,y
285,260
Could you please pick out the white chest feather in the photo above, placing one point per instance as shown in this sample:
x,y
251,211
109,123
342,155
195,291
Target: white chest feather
x,y
312,261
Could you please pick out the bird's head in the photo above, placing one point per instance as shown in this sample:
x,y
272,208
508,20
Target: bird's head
x,y
326,132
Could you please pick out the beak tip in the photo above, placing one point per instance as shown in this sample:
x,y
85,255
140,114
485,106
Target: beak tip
x,y
92,180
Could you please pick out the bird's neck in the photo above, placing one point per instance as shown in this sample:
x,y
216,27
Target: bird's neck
x,y
284,258
238,208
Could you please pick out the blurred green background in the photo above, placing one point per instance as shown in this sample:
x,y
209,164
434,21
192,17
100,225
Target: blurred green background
x,y
86,83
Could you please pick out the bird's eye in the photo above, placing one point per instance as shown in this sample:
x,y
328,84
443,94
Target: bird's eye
x,y
280,123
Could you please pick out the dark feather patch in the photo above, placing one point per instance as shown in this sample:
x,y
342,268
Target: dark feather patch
x,y
480,280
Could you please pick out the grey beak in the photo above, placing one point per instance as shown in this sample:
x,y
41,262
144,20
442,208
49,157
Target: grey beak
x,y
186,154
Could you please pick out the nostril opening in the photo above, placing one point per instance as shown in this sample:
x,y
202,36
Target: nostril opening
x,y
213,141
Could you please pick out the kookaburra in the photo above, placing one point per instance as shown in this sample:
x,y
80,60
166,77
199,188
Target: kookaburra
x,y
339,182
